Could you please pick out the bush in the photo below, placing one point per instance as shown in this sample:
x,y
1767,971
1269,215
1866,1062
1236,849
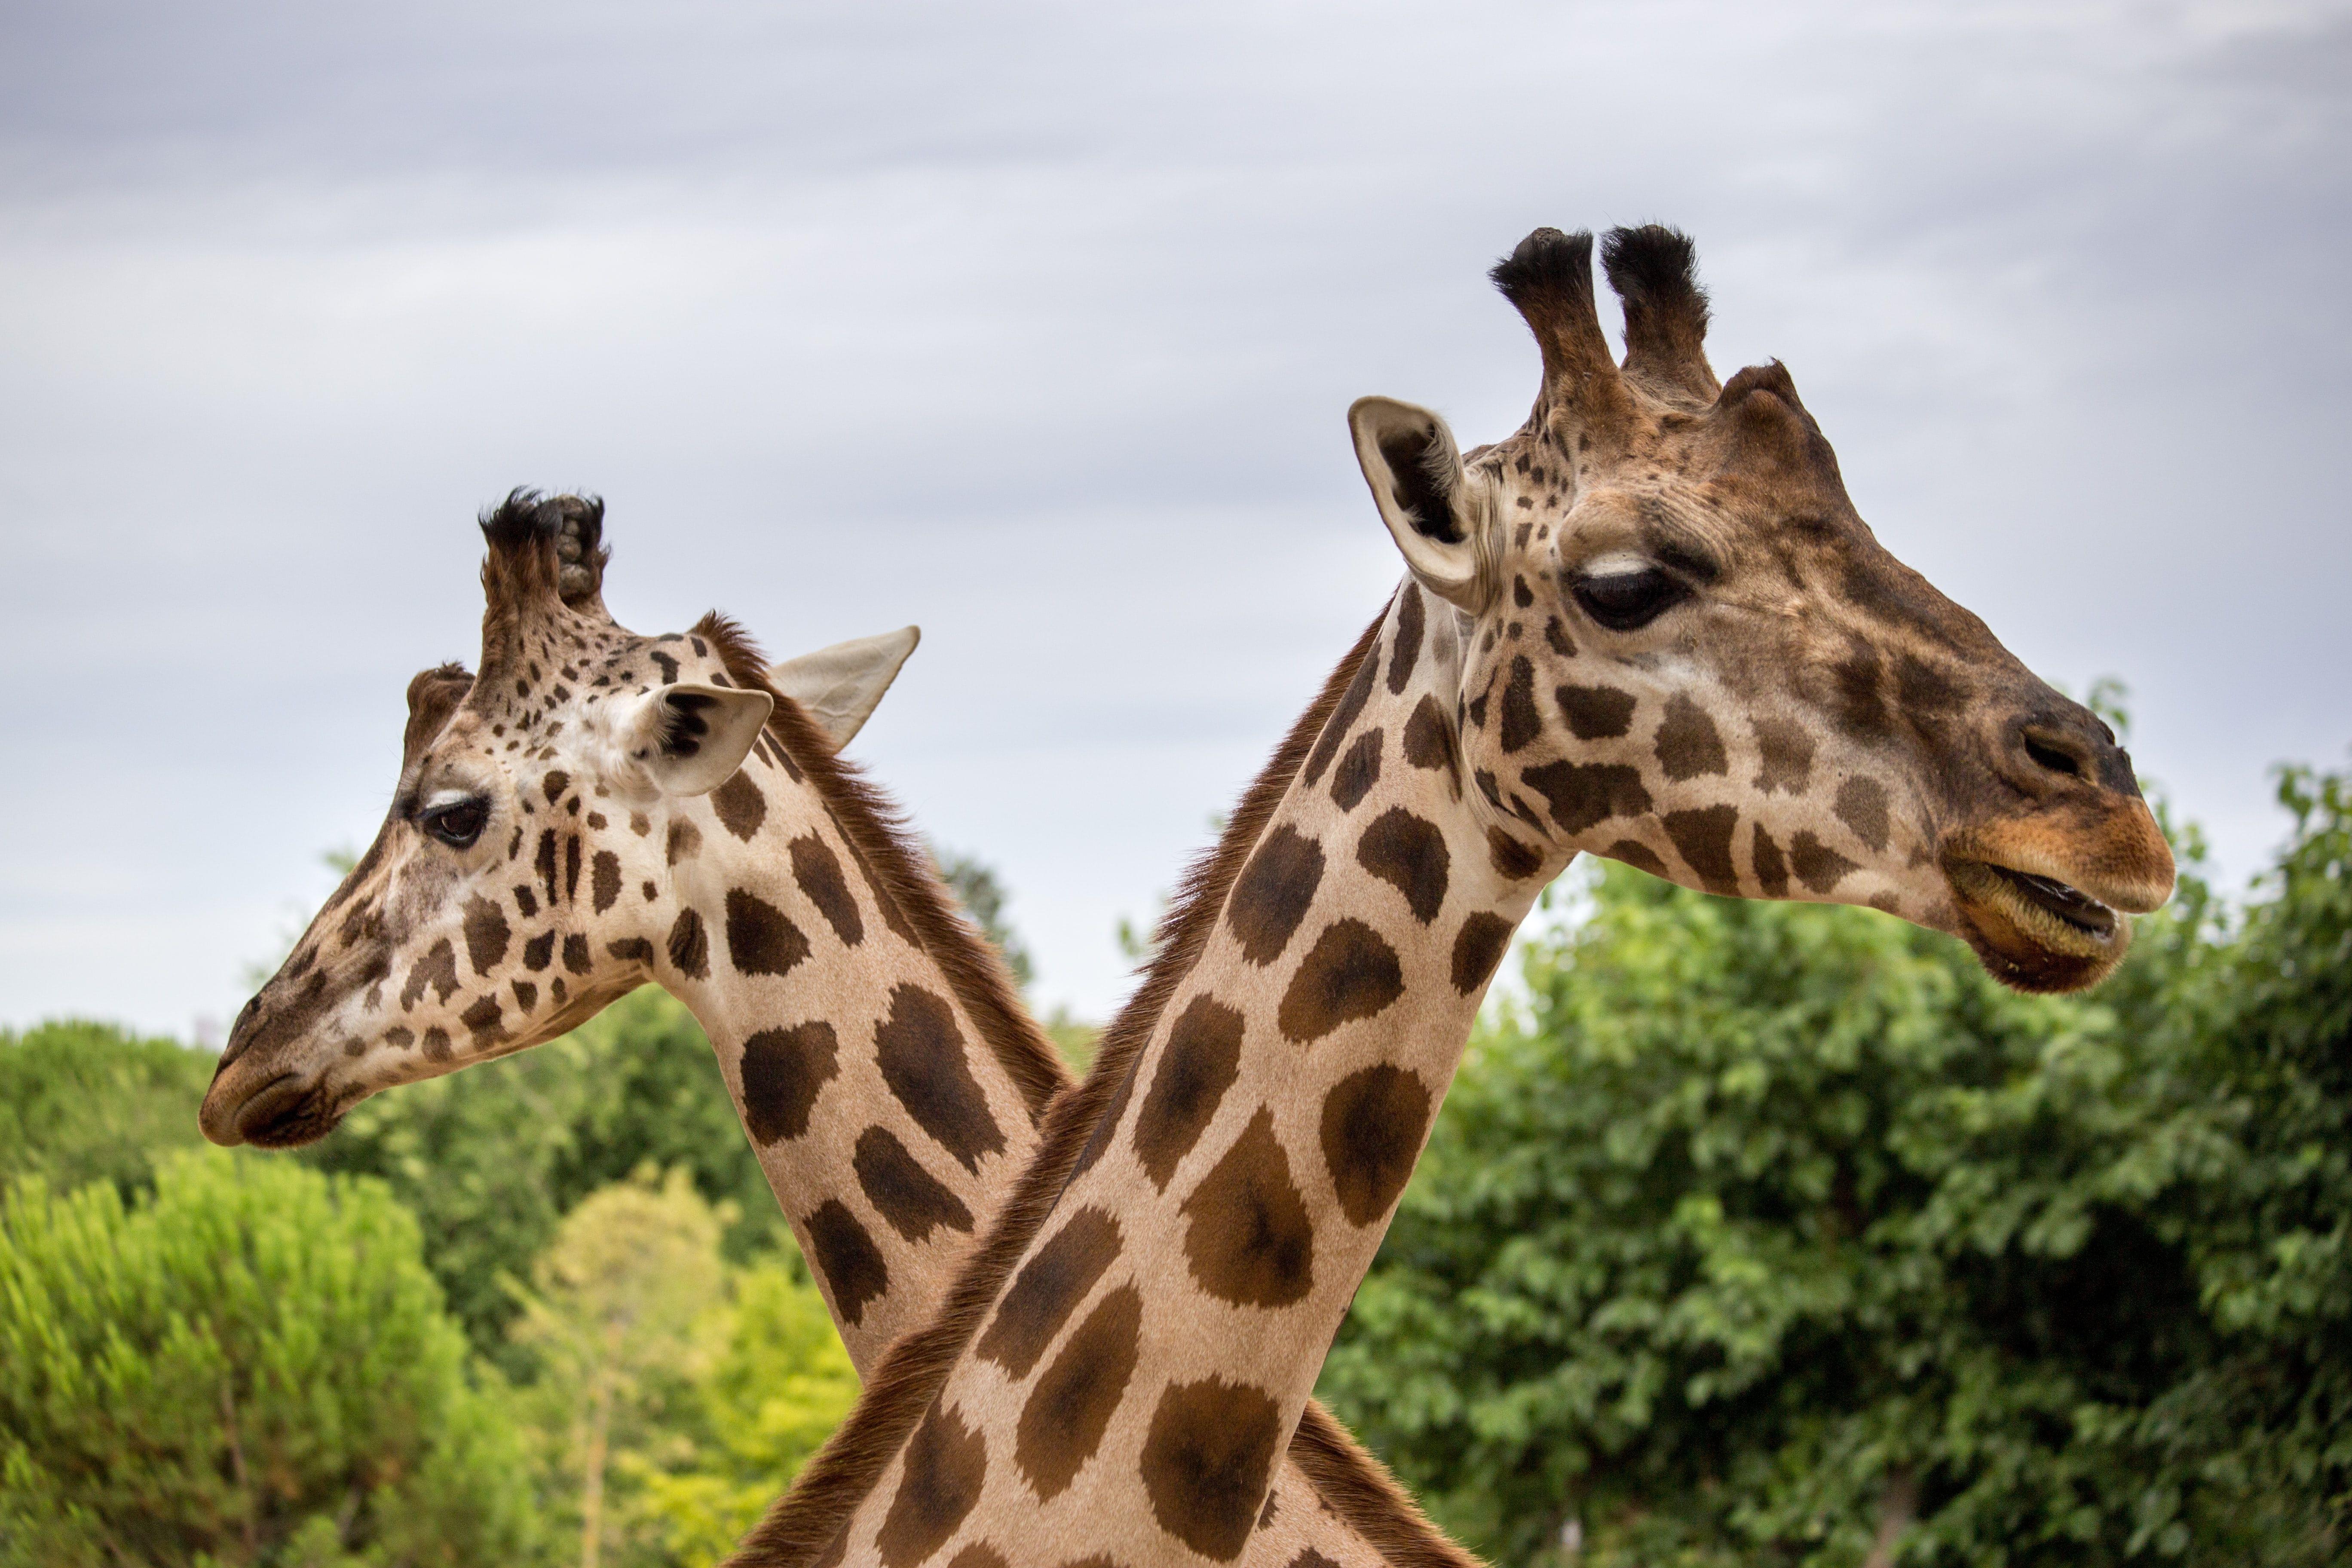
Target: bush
x,y
84,1102
251,1365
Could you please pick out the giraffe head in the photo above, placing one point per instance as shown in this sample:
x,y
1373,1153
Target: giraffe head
x,y
523,876
1681,648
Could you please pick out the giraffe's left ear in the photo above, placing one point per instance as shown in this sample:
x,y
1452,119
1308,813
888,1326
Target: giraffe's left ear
x,y
839,686
690,739
1434,513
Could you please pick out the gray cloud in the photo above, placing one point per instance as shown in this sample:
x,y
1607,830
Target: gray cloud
x,y
1034,323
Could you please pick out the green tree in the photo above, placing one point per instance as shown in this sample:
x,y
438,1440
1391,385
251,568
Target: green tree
x,y
491,1158
612,1314
975,883
1778,1233
83,1102
767,1401
249,1365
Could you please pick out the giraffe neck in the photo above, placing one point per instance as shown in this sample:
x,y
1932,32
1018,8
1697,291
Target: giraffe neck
x,y
1130,1387
889,1087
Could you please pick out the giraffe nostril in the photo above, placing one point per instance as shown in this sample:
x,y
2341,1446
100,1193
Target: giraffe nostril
x,y
2046,755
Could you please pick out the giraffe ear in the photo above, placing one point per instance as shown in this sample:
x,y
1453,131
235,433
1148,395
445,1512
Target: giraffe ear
x,y
840,686
1434,512
690,739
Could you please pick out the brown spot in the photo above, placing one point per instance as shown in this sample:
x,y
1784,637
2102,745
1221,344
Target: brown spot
x,y
689,945
1207,1458
605,879
1633,852
554,784
1202,1059
1520,721
437,969
818,869
1429,741
1582,794
1861,707
760,939
1521,595
485,934
1409,853
1595,712
1510,857
483,1021
571,868
1271,894
1048,1290
435,1044
399,1037
1862,805
1406,649
740,806
640,824
1359,769
526,995
647,891
685,839
979,1554
1065,1416
1818,866
1771,870
526,901
1352,973
914,1200
1703,839
1342,719
1373,1123
1556,638
1249,1240
847,1258
1785,754
631,950
544,861
946,1462
1309,1558
1687,744
921,1054
1477,949
782,1072
575,954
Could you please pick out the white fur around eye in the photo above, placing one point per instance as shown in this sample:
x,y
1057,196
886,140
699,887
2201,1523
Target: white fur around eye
x,y
1617,563
441,798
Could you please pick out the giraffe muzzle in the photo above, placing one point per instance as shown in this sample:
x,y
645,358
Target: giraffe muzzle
x,y
284,1112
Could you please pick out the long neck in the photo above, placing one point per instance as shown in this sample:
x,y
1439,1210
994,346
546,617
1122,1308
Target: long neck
x,y
887,1077
1149,1360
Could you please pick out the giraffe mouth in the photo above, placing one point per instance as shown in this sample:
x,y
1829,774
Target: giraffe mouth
x,y
2034,932
284,1114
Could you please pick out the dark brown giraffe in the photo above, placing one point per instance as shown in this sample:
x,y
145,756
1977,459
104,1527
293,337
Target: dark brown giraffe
x,y
538,862
1649,624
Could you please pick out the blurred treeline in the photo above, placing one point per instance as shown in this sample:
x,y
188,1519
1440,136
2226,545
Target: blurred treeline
x,y
1752,1233
1777,1233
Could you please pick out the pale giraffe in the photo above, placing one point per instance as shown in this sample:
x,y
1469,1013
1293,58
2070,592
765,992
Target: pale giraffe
x,y
542,857
1649,626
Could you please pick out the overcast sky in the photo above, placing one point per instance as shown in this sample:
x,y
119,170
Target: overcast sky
x,y
1035,324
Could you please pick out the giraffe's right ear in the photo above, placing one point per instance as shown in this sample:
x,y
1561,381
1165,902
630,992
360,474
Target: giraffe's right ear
x,y
1434,512
689,738
840,686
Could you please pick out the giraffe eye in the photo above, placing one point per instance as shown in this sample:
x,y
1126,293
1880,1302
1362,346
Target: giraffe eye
x,y
459,823
1628,601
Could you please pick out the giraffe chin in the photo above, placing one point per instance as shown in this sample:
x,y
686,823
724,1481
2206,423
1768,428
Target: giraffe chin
x,y
2034,932
284,1114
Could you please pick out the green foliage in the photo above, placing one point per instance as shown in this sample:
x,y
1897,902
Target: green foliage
x,y
1778,1233
490,1159
779,1384
248,1365
87,1102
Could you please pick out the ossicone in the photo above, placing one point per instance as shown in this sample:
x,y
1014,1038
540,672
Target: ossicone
x,y
1654,270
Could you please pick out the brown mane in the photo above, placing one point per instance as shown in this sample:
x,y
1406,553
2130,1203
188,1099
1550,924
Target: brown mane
x,y
877,831
808,1519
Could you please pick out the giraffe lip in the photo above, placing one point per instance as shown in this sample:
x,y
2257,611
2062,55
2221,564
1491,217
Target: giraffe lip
x,y
2071,905
2034,932
284,1114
